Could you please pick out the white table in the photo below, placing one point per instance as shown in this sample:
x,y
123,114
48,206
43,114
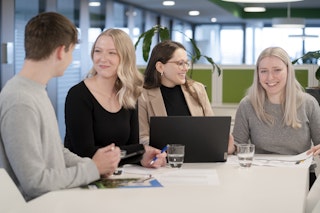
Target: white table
x,y
254,190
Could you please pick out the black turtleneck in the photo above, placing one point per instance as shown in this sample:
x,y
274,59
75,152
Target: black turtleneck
x,y
174,101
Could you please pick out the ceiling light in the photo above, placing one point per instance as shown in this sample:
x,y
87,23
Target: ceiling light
x,y
131,13
303,36
261,1
94,4
288,22
168,3
194,13
254,9
213,19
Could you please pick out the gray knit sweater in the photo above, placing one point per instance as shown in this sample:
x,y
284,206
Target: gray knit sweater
x,y
31,149
278,139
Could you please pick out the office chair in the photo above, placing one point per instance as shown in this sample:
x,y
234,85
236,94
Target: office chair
x,y
10,196
313,198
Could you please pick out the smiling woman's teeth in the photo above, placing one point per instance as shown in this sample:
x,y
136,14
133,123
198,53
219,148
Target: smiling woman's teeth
x,y
271,84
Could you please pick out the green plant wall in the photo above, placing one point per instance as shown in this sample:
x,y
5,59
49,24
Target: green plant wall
x,y
235,82
302,77
205,77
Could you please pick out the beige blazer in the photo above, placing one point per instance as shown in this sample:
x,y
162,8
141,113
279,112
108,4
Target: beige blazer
x,y
151,104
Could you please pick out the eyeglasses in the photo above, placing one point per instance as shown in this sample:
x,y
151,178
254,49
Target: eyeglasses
x,y
181,64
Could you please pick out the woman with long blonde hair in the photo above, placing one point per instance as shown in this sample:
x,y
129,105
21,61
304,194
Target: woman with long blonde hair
x,y
276,114
102,109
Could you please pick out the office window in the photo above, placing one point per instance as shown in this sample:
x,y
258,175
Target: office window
x,y
181,32
281,37
292,40
150,20
231,41
93,33
312,43
249,48
120,19
72,75
97,15
24,10
207,38
137,23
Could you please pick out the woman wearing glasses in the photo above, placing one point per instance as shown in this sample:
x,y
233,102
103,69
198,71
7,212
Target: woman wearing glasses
x,y
167,90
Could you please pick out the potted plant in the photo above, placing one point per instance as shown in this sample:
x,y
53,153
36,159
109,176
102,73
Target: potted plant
x,y
311,57
164,34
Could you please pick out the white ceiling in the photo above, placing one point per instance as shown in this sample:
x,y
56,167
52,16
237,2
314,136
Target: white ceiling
x,y
209,9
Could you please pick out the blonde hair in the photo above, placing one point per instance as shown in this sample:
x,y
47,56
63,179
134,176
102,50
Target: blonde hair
x,y
292,98
130,81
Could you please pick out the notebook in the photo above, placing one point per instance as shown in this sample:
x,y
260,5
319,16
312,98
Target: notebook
x,y
205,138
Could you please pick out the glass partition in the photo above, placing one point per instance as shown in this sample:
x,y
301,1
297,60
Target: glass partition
x,y
72,75
24,10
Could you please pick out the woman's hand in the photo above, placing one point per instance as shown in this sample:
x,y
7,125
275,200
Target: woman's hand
x,y
315,150
150,153
231,145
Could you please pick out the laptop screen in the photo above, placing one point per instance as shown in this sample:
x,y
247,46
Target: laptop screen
x,y
205,138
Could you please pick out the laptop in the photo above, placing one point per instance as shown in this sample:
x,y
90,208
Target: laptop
x,y
205,138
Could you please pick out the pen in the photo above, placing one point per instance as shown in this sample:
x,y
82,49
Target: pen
x,y
132,154
300,161
155,158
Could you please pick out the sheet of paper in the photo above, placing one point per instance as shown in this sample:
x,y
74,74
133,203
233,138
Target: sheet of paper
x,y
300,160
131,169
197,177
180,176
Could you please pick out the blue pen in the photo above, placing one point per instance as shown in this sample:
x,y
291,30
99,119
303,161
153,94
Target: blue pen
x,y
155,158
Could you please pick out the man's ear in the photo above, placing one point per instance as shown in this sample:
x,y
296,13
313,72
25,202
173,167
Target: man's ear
x,y
60,51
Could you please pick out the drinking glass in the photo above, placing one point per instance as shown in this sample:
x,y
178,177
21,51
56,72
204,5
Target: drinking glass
x,y
245,153
175,154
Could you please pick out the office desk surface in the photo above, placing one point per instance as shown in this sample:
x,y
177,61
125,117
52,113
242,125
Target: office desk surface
x,y
253,190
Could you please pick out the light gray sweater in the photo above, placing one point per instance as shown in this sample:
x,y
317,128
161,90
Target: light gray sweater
x,y
278,139
31,149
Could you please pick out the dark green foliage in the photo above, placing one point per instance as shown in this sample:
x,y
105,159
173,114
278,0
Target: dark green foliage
x,y
164,34
310,56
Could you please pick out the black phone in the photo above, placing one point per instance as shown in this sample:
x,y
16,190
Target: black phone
x,y
133,154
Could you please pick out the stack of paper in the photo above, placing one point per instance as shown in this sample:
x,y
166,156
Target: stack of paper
x,y
300,160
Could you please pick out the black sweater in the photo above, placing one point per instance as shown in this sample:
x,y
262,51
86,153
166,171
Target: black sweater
x,y
89,126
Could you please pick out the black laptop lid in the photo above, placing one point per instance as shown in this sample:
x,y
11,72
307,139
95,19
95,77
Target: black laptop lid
x,y
205,138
